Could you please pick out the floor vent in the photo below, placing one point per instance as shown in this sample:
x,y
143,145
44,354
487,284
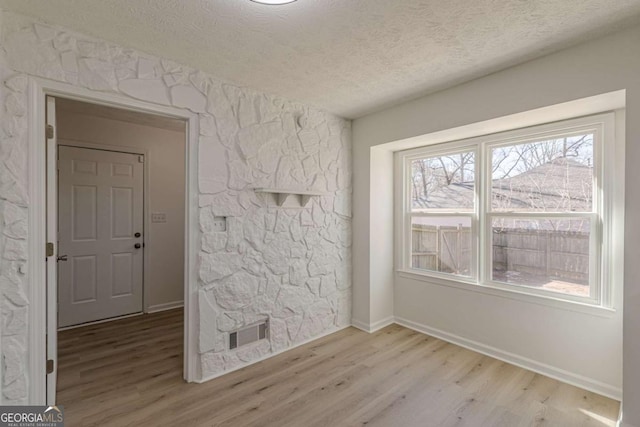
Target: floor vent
x,y
248,335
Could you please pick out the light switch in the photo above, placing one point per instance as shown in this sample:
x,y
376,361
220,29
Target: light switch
x,y
158,217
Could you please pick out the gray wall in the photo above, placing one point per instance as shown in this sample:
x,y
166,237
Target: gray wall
x,y
585,344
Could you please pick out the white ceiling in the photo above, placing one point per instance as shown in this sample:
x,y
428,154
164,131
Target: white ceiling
x,y
349,57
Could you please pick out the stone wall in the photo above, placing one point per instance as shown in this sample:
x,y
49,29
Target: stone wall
x,y
290,266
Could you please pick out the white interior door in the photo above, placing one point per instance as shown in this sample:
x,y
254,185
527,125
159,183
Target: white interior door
x,y
100,227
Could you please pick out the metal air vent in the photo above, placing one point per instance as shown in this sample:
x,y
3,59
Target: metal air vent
x,y
248,335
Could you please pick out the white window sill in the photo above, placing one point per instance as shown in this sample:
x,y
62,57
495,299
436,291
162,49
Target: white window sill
x,y
514,294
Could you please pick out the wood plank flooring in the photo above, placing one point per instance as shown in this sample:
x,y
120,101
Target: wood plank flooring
x,y
129,372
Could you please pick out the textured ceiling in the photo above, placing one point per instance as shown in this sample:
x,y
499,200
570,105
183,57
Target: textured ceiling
x,y
349,57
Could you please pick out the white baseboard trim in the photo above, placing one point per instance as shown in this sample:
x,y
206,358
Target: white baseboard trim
x,y
97,322
165,306
373,327
270,355
621,423
523,362
363,326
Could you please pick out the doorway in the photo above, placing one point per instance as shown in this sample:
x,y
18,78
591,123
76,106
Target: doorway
x,y
118,225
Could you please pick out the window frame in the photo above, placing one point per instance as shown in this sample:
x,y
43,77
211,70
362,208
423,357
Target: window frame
x,y
601,215
409,214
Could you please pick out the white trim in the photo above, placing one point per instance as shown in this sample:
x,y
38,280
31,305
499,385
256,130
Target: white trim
x,y
153,309
602,126
39,88
620,423
164,307
191,364
372,327
511,292
36,246
270,355
399,199
98,322
376,326
103,147
613,207
514,359
363,326
52,237
566,110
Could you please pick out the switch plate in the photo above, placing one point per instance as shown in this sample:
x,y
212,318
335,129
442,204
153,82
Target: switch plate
x,y
158,217
219,223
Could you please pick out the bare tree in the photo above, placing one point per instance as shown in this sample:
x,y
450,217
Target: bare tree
x,y
525,175
433,174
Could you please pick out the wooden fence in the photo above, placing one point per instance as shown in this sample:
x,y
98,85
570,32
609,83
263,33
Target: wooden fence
x,y
563,255
441,248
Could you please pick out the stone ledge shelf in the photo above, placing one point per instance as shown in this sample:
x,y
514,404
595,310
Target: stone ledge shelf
x,y
283,195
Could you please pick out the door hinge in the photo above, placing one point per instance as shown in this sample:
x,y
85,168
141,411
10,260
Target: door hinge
x,y
140,159
50,131
50,249
50,366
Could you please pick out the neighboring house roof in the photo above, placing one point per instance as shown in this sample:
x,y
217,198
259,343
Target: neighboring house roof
x,y
560,185
453,196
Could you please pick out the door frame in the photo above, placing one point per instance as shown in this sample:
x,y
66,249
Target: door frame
x,y
39,89
146,220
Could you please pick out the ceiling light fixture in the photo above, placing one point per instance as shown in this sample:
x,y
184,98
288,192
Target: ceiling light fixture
x,y
273,2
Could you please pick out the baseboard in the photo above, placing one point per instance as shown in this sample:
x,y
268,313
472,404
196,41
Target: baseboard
x,y
621,423
360,325
165,306
373,327
152,309
97,322
270,355
523,362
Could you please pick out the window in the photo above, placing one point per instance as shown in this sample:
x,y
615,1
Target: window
x,y
523,210
442,212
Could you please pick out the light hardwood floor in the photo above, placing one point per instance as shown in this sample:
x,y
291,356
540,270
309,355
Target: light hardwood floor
x,y
129,372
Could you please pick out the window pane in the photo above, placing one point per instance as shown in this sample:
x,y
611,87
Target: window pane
x,y
441,244
443,182
545,176
550,254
